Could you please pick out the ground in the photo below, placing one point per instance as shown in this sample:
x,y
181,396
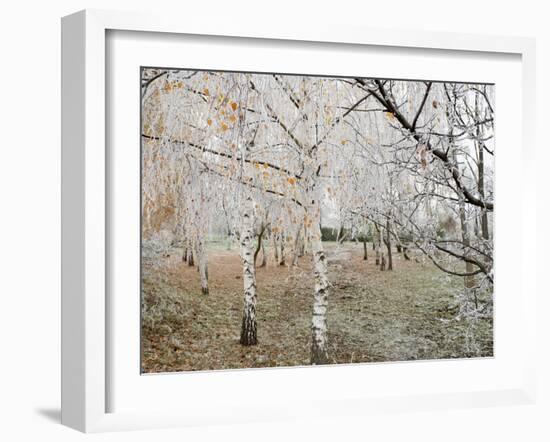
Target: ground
x,y
409,313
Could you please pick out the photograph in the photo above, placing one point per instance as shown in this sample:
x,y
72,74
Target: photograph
x,y
293,219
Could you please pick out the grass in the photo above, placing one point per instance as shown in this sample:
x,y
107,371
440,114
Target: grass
x,y
405,314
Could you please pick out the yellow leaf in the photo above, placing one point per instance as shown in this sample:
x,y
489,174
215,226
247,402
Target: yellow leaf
x,y
232,118
225,126
206,92
291,181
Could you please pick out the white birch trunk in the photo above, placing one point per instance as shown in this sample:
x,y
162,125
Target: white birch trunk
x,y
296,249
264,256
190,260
319,338
282,255
248,329
203,265
376,245
275,250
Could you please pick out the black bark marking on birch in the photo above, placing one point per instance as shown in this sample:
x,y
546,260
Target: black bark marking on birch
x,y
249,328
319,355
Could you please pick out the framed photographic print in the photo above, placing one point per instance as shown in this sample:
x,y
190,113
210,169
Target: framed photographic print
x,y
323,220
281,184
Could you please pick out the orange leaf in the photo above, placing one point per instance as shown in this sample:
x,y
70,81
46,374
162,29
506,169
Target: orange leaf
x,y
206,92
209,122
234,105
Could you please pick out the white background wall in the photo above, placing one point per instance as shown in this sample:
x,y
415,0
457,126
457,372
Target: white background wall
x,y
30,215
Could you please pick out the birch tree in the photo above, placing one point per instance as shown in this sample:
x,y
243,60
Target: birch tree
x,y
248,329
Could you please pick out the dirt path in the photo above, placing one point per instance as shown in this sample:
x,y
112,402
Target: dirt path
x,y
338,255
405,314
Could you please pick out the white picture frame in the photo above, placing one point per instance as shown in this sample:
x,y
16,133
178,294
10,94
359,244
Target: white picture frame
x,y
85,202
